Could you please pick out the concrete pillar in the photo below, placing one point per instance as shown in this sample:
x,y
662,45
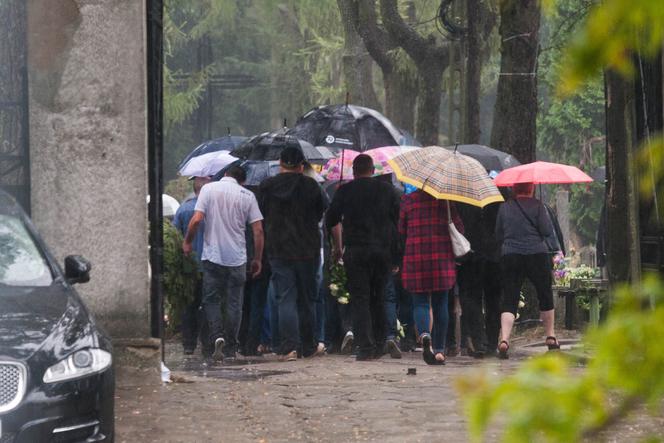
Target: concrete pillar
x,y
88,149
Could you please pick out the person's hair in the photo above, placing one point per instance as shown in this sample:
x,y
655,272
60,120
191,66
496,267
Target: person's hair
x,y
199,182
238,173
363,165
291,157
523,188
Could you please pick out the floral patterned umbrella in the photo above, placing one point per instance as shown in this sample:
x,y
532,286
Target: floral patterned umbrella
x,y
333,171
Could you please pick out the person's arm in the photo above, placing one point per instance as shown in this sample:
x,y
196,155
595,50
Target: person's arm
x,y
500,234
259,240
333,222
337,243
194,224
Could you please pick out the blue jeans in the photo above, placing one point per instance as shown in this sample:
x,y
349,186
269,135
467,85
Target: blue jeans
x,y
294,284
273,316
258,299
438,303
223,293
319,305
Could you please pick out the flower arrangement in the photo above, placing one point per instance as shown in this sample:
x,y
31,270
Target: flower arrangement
x,y
560,271
338,282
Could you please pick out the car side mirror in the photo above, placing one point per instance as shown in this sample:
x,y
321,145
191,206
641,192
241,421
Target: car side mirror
x,y
77,269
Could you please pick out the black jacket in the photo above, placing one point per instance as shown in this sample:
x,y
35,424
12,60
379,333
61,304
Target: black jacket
x,y
292,205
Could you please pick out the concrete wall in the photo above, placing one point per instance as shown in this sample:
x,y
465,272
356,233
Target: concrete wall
x,y
88,148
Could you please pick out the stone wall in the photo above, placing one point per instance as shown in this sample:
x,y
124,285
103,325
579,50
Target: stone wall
x,y
88,148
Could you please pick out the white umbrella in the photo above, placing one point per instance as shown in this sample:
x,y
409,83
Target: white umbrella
x,y
207,164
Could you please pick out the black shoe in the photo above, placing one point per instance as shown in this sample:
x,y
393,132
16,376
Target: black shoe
x,y
365,356
427,352
188,351
393,349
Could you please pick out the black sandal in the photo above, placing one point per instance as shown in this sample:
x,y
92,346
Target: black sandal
x,y
552,347
427,352
502,353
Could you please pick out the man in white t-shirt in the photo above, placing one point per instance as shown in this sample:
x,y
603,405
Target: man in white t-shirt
x,y
227,208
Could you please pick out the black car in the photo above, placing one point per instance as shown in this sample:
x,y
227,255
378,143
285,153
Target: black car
x,y
56,373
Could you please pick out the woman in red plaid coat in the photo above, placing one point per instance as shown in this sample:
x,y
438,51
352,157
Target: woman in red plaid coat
x,y
428,269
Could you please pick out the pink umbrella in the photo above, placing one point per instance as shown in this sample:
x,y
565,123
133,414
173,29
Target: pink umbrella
x,y
332,169
541,173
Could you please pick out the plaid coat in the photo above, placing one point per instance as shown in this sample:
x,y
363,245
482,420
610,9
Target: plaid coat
x,y
428,262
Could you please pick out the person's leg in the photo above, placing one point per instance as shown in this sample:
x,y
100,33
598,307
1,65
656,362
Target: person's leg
x,y
492,293
213,284
471,294
319,303
512,267
440,320
421,310
380,272
258,301
234,297
190,323
305,271
539,273
391,308
273,315
357,275
285,286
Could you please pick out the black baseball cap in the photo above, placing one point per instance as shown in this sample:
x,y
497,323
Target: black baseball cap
x,y
291,157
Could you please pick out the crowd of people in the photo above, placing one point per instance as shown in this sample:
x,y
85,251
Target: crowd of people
x,y
266,255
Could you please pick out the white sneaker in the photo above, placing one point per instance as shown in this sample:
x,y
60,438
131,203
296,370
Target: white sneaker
x,y
347,343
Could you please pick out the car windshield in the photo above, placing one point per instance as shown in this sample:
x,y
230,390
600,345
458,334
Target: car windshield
x,y
21,262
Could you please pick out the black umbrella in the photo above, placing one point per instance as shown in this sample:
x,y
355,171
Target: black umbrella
x,y
268,146
347,127
491,159
259,170
225,143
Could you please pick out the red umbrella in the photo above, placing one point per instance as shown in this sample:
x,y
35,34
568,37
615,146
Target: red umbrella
x,y
541,173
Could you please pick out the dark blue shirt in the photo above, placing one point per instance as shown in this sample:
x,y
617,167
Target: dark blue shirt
x,y
181,222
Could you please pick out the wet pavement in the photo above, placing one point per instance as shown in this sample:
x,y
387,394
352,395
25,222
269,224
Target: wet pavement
x,y
323,399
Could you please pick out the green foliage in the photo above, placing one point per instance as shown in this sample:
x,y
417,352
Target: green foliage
x,y
550,399
615,29
180,276
338,283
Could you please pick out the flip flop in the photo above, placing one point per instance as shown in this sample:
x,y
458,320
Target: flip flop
x,y
552,347
438,362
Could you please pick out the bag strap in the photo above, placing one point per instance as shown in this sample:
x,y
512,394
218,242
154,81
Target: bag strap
x,y
528,218
449,213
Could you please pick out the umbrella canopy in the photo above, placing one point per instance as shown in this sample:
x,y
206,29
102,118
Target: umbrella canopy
x,y
258,170
491,159
207,164
347,127
542,173
226,143
332,169
268,146
446,175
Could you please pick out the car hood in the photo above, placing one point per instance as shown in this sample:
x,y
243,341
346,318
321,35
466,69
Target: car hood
x,y
33,318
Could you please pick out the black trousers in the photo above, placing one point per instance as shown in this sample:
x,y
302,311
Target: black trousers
x,y
367,271
192,319
480,293
537,268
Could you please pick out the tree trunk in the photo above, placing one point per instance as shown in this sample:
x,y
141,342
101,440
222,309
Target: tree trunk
x,y
428,107
431,60
473,73
400,100
14,148
514,119
622,236
357,64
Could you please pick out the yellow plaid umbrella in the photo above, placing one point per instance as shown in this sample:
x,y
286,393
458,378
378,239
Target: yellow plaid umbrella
x,y
446,175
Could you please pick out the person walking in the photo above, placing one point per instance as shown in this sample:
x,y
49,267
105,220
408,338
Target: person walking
x,y
293,205
521,227
191,321
428,270
368,211
227,208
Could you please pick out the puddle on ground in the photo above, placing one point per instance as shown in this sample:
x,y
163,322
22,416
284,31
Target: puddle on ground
x,y
237,370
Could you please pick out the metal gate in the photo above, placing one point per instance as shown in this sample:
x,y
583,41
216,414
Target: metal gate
x,y
14,117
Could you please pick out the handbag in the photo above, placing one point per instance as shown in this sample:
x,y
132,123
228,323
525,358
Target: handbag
x,y
460,244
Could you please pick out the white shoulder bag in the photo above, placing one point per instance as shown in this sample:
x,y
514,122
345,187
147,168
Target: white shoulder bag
x,y
460,244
